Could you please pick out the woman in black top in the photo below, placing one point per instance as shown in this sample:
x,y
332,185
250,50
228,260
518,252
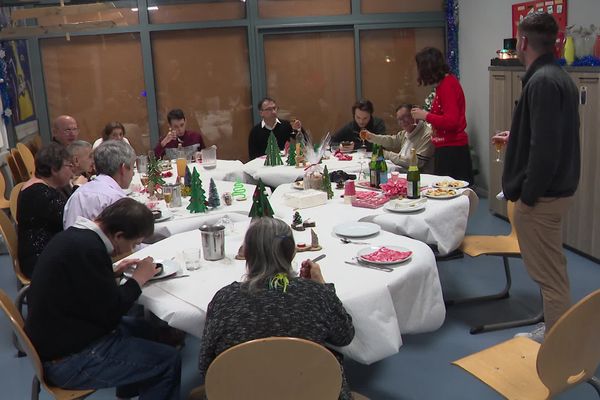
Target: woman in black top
x,y
272,301
40,205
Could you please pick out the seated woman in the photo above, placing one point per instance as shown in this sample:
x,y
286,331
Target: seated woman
x,y
40,204
112,131
272,301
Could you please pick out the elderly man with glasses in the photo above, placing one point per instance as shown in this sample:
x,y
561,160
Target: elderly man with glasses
x,y
283,130
64,130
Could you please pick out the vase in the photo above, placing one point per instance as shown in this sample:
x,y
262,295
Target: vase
x,y
569,50
597,47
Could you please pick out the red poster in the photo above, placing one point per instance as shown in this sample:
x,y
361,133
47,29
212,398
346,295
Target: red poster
x,y
558,9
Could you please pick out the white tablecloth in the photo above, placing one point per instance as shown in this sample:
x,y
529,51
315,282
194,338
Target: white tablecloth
x,y
442,223
383,305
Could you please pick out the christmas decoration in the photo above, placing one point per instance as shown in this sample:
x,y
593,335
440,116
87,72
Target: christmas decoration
x,y
260,203
272,152
451,9
187,179
227,199
4,78
297,222
327,184
239,191
314,243
213,195
155,180
197,198
291,159
299,156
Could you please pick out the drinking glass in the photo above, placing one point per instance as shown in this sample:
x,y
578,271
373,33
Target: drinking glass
x,y
191,259
181,166
142,164
363,136
144,179
498,145
168,194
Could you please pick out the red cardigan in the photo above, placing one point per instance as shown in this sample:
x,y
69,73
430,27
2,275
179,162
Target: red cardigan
x,y
447,114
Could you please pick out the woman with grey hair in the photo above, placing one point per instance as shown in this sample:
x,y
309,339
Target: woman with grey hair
x,y
273,301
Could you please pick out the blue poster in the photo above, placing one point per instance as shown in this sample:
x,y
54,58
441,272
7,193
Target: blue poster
x,y
19,81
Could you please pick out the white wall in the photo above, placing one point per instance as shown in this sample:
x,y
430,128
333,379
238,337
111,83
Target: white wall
x,y
483,25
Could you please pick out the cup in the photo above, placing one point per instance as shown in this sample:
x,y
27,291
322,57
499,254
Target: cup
x,y
213,242
361,152
209,157
142,164
181,166
198,157
191,259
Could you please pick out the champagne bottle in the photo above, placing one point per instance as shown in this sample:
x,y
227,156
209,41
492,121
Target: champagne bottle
x,y
413,177
381,167
373,172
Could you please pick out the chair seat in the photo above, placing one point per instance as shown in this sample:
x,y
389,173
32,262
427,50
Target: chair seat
x,y
199,392
65,394
509,368
490,245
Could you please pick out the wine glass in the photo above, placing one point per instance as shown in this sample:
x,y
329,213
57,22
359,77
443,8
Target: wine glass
x,y
498,144
363,135
168,194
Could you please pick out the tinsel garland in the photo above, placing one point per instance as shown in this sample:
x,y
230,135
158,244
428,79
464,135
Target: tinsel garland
x,y
7,111
451,9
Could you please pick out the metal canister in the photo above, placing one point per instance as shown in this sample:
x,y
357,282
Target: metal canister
x,y
213,242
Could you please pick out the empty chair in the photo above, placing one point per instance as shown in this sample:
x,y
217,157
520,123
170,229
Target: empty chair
x,y
38,379
20,165
4,202
14,169
521,368
273,368
14,200
28,159
35,144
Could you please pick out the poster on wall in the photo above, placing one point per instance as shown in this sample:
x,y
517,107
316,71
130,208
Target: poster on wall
x,y
557,8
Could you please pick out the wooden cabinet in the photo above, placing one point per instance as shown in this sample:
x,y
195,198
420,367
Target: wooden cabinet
x,y
582,225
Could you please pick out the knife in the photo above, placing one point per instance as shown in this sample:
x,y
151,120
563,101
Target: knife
x,y
377,267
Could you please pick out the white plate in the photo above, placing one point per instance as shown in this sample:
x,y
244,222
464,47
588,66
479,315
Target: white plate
x,y
459,184
405,205
166,214
428,193
298,185
356,229
371,249
170,267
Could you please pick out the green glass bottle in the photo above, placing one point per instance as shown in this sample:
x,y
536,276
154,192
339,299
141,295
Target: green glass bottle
x,y
381,167
413,177
373,172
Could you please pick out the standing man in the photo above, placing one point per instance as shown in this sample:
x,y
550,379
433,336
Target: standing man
x,y
64,130
282,129
190,141
542,163
362,113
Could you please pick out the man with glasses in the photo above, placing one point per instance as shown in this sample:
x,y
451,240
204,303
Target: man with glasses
x,y
362,113
283,130
64,130
114,160
412,135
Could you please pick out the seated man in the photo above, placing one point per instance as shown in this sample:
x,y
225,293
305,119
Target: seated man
x,y
190,141
282,129
75,308
362,112
412,135
83,164
114,162
64,130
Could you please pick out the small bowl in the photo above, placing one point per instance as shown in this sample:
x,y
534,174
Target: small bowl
x,y
156,214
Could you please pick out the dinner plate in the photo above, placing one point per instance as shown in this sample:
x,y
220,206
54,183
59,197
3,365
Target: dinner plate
x,y
405,205
170,267
166,214
456,184
356,229
368,250
430,194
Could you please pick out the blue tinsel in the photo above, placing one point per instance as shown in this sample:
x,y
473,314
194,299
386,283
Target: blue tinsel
x,y
587,61
451,8
4,85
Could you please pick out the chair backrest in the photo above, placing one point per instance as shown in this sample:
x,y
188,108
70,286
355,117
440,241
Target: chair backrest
x,y
28,159
9,233
4,203
570,353
35,144
14,200
22,171
14,170
274,368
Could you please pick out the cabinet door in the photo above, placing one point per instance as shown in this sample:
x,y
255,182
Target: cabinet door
x,y
581,228
500,116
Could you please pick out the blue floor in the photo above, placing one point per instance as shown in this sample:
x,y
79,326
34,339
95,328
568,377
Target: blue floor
x,y
422,369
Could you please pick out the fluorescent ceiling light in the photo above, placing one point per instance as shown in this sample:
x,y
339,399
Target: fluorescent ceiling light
x,y
151,8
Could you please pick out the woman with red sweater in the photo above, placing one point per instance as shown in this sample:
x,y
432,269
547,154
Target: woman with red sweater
x,y
446,116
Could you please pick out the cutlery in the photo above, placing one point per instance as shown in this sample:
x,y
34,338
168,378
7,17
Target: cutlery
x,y
319,258
371,266
168,278
346,241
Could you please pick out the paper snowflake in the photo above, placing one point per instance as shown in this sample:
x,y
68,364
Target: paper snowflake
x,y
8,112
2,53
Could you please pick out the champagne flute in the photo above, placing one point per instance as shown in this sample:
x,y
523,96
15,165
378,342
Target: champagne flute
x,y
168,195
498,144
363,135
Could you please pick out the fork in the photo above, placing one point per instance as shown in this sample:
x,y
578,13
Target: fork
x,y
371,266
347,241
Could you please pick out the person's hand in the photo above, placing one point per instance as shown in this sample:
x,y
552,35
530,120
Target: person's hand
x,y
296,125
79,180
315,271
145,270
419,114
501,137
124,265
171,135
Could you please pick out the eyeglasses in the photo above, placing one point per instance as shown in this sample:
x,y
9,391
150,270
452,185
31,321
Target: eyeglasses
x,y
271,109
70,165
71,130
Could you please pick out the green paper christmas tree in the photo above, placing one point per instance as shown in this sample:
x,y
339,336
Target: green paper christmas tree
x,y
154,173
213,195
291,160
260,203
327,184
197,198
239,191
272,151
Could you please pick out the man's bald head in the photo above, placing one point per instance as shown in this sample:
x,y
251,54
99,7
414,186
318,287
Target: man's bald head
x,y
65,130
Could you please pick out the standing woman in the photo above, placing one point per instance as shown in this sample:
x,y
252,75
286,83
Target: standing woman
x,y
446,116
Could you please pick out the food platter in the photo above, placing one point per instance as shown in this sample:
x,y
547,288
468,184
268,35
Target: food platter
x,y
451,184
405,205
439,193
384,255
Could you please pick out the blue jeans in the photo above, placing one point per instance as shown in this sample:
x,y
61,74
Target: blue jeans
x,y
120,359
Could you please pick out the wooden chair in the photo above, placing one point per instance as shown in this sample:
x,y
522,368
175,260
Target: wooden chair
x,y
22,170
28,159
14,200
35,144
504,246
521,368
38,379
273,368
14,170
4,202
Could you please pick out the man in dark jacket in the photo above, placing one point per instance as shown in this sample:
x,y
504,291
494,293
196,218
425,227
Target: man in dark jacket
x,y
542,163
363,118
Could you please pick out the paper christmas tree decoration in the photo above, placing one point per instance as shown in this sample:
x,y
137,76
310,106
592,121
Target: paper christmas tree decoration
x,y
260,203
291,160
239,191
197,198
297,222
327,184
272,152
213,195
187,179
155,179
